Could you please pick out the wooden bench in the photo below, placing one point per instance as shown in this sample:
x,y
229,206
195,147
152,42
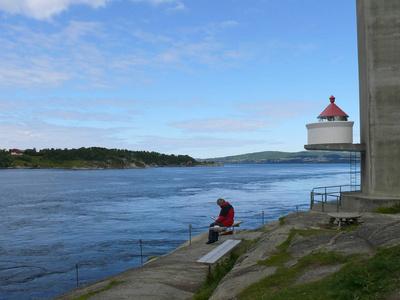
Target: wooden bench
x,y
215,255
344,217
221,229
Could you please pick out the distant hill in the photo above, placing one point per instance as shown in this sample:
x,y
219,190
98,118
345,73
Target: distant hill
x,y
277,157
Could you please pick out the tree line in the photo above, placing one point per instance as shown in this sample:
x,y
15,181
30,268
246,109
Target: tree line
x,y
117,157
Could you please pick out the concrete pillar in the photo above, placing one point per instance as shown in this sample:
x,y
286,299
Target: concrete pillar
x,y
378,29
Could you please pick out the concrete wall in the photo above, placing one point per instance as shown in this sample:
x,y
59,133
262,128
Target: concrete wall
x,y
378,26
354,201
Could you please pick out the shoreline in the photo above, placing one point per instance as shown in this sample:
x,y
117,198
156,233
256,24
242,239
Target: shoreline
x,y
108,168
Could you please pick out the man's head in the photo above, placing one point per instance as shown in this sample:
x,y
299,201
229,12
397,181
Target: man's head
x,y
220,201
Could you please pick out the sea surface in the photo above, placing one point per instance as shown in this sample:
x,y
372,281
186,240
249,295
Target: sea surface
x,y
62,228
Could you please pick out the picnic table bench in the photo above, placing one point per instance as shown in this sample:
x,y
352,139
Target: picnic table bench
x,y
216,254
344,217
224,229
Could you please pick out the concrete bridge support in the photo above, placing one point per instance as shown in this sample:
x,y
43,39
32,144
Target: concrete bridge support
x,y
378,30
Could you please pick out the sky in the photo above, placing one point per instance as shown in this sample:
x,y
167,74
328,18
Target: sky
x,y
204,78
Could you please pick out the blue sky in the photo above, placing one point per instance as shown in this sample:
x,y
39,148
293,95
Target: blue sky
x,y
203,78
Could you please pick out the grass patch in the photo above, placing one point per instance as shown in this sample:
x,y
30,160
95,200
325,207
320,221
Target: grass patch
x,y
324,258
90,294
305,233
284,277
350,228
282,220
283,247
278,285
281,256
394,209
253,242
151,257
277,260
373,278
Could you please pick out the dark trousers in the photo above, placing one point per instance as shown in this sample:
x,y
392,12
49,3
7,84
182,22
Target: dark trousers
x,y
213,235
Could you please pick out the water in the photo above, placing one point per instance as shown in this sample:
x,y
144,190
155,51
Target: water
x,y
55,220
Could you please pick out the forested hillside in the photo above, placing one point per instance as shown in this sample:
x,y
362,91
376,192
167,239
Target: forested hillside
x,y
92,158
274,157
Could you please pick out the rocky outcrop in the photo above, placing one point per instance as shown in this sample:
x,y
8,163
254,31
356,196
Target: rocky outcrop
x,y
376,231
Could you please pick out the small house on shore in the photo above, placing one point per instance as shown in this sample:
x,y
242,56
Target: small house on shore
x,y
16,152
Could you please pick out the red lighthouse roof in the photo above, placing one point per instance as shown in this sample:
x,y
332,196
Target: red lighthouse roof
x,y
332,110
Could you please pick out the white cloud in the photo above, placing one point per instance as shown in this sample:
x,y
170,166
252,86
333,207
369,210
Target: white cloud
x,y
151,37
305,48
179,6
78,30
229,24
207,53
337,59
280,109
110,113
176,5
47,9
157,2
223,125
37,71
85,117
189,145
32,58
44,9
42,135
35,59
193,102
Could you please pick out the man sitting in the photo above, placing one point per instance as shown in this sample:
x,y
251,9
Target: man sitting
x,y
225,219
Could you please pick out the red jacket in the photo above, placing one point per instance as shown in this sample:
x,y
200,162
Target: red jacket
x,y
226,214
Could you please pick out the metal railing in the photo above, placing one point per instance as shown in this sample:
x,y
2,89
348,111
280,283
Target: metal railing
x,y
331,195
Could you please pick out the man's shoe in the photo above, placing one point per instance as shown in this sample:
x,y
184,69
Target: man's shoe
x,y
210,242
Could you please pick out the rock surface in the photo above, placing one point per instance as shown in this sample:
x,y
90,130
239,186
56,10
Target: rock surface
x,y
177,276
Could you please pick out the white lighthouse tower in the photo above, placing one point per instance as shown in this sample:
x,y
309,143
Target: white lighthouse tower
x,y
332,128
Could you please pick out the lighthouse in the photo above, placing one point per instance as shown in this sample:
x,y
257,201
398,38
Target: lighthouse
x,y
333,127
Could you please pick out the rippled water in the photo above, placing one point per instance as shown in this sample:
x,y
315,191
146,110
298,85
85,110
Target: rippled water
x,y
54,221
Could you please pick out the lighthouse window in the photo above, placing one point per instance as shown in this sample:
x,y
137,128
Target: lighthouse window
x,y
340,118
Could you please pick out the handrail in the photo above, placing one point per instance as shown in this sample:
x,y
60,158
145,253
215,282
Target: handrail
x,y
332,186
328,196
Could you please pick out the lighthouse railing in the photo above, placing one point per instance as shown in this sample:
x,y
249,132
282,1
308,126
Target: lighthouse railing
x,y
328,196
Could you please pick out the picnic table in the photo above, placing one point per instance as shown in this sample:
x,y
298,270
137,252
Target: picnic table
x,y
344,217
